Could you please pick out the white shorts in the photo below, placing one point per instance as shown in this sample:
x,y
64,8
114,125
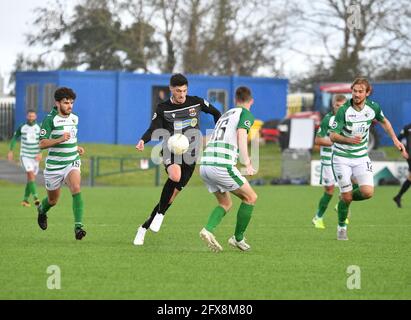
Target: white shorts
x,y
359,168
30,165
221,179
327,176
55,179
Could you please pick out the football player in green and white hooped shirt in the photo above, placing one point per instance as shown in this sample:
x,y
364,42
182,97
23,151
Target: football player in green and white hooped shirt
x,y
327,177
59,135
218,170
30,154
349,133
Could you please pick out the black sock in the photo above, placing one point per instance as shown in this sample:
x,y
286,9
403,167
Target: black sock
x,y
166,195
147,223
404,188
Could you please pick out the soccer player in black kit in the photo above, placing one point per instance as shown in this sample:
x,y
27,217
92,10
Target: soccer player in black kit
x,y
405,134
180,113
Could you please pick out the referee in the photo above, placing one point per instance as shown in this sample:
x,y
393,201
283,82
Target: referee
x,y
179,114
405,134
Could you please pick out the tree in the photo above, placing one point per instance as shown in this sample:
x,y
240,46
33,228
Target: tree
x,y
194,51
138,38
356,37
94,38
168,11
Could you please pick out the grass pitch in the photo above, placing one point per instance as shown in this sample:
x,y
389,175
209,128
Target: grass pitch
x,y
289,258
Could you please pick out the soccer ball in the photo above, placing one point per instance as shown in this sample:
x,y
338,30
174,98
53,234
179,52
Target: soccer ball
x,y
178,144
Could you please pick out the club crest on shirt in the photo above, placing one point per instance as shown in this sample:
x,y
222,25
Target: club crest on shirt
x,y
192,112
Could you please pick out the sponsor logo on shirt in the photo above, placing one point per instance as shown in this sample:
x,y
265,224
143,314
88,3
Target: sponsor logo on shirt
x,y
43,132
178,125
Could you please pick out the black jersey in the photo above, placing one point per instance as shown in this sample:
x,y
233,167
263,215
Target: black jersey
x,y
406,134
180,117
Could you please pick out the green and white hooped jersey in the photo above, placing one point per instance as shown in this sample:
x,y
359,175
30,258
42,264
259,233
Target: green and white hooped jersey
x,y
63,154
324,131
349,123
30,134
222,148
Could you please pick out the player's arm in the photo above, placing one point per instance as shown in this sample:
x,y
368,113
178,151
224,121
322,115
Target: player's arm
x,y
244,125
13,141
156,123
45,135
386,124
321,137
337,127
242,136
48,143
207,107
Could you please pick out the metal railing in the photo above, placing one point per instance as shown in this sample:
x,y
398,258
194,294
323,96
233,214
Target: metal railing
x,y
119,166
7,113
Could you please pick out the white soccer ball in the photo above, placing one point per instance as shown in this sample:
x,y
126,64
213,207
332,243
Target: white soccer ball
x,y
178,144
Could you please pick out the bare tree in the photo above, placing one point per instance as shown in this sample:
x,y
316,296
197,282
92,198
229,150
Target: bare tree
x,y
353,35
192,19
168,11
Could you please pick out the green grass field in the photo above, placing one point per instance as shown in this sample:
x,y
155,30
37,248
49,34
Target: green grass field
x,y
289,258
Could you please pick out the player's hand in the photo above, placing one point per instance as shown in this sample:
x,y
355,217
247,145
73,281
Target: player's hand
x,y
65,137
39,157
10,156
80,150
402,149
355,140
250,170
140,145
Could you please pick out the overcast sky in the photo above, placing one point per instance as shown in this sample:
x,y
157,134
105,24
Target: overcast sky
x,y
16,18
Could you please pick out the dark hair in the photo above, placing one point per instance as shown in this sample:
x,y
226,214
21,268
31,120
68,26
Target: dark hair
x,y
64,93
30,111
363,81
178,80
243,94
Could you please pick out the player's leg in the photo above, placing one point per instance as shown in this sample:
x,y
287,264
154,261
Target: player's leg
x,y
28,168
249,198
342,168
36,165
362,172
215,179
405,186
169,191
53,181
207,233
327,180
73,181
168,195
46,204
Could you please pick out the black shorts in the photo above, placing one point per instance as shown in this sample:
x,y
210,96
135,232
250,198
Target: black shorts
x,y
409,164
186,170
